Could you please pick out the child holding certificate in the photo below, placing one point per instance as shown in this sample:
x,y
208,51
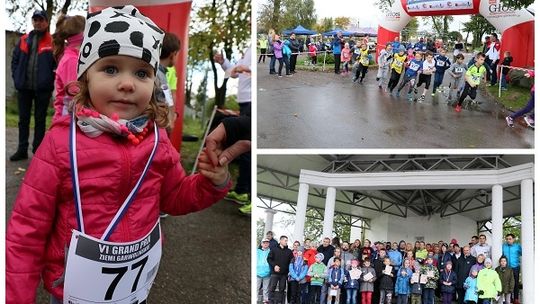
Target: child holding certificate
x,y
367,279
386,283
429,276
402,288
416,288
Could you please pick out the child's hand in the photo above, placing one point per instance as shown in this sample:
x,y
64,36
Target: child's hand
x,y
218,175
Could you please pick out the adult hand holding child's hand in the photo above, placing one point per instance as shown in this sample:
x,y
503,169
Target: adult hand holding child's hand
x,y
218,175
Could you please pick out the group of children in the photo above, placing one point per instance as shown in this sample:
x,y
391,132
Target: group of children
x,y
417,69
414,280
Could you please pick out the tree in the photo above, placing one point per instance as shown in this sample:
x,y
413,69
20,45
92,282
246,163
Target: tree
x,y
220,24
313,227
326,25
455,36
477,26
440,24
384,5
269,15
517,4
18,11
201,96
342,22
410,30
298,13
260,230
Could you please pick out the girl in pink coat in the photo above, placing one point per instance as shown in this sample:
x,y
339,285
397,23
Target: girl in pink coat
x,y
86,218
345,58
66,43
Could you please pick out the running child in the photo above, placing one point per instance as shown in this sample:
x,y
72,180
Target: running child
x,y
428,68
472,80
528,108
398,61
413,69
345,58
102,175
363,63
442,63
384,61
456,71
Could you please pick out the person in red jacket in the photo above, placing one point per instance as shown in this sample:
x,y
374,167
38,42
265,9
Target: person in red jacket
x,y
86,218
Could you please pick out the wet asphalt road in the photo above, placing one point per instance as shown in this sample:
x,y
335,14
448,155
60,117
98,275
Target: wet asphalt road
x,y
322,110
206,255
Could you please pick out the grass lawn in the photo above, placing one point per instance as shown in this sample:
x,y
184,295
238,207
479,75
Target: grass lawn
x,y
515,98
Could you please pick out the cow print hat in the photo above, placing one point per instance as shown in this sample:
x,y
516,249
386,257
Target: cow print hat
x,y
120,30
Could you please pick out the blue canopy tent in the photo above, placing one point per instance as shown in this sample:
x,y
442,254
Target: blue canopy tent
x,y
299,30
335,31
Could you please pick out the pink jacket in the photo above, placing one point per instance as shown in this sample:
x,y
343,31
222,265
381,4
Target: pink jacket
x,y
66,72
39,230
345,55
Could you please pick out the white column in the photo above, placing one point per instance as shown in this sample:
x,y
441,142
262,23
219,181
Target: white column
x,y
329,207
301,207
496,223
269,224
527,260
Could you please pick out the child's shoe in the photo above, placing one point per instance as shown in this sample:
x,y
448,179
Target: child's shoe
x,y
529,121
458,108
510,121
422,98
397,94
432,94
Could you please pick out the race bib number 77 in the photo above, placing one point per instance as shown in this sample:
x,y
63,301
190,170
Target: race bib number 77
x,y
104,272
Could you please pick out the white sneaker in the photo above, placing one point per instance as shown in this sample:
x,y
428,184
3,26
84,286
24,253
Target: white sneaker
x,y
529,121
510,121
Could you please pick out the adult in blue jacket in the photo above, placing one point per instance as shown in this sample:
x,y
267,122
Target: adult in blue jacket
x,y
32,69
336,49
512,252
395,45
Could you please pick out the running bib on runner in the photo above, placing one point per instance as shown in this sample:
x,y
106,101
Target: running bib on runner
x,y
458,70
104,272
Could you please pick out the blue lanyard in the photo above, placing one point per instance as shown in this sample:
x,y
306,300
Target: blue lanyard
x,y
75,181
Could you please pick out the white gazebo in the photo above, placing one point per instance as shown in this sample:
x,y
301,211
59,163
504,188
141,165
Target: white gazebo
x,y
405,196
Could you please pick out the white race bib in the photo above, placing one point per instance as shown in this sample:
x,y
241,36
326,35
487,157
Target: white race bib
x,y
104,272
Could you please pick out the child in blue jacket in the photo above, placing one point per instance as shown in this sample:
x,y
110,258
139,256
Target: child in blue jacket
x,y
402,287
352,283
442,63
471,293
336,275
298,269
448,283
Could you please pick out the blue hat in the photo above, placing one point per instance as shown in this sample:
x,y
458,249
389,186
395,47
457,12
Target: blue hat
x,y
401,48
41,14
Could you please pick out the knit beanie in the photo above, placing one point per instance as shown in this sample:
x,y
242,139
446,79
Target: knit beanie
x,y
319,256
120,30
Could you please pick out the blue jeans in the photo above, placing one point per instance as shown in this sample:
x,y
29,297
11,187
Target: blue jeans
x,y
438,80
351,295
528,108
402,299
428,296
503,81
273,64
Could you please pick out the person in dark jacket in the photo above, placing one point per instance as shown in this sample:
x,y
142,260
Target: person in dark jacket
x,y
327,250
32,69
448,283
294,45
279,259
464,264
386,283
379,266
